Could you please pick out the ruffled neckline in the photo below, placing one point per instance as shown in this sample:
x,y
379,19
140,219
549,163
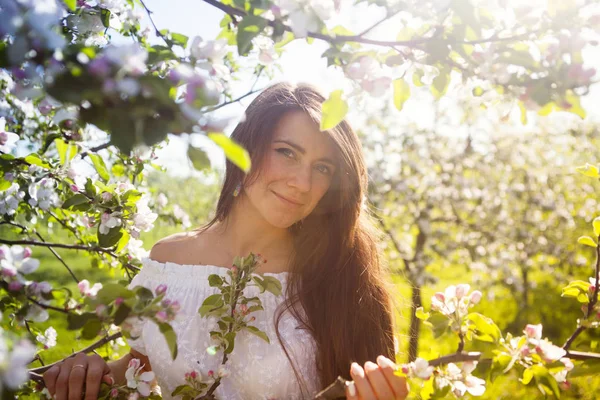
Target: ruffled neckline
x,y
197,270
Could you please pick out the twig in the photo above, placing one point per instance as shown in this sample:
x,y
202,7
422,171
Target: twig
x,y
156,31
86,350
591,304
233,101
381,21
47,307
96,149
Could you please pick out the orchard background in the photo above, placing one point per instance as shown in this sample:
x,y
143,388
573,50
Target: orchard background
x,y
479,120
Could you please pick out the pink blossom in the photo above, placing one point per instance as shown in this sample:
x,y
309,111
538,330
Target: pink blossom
x,y
533,331
86,290
462,290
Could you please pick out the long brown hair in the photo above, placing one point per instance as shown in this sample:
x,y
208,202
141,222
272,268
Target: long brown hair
x,y
338,288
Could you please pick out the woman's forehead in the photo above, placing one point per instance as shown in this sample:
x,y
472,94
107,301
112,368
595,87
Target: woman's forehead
x,y
299,129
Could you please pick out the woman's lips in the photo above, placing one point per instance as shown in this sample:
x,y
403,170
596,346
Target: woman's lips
x,y
287,201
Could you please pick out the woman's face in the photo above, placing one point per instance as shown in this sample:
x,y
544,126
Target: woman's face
x,y
297,171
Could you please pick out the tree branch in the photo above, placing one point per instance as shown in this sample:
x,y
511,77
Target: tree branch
x,y
86,350
360,39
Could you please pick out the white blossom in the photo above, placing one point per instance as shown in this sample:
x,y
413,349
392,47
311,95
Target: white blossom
x,y
13,363
16,261
135,249
10,199
130,58
43,195
48,339
137,379
181,216
109,221
8,140
143,219
212,50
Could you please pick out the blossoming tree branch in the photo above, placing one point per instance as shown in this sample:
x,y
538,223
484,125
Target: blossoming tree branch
x,y
71,97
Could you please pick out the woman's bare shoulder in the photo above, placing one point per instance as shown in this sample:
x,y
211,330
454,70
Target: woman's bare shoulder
x,y
177,248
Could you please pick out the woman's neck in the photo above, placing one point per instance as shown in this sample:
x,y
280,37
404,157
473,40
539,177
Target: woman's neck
x,y
245,231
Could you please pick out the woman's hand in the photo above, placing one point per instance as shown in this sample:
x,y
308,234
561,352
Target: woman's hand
x,y
376,382
68,379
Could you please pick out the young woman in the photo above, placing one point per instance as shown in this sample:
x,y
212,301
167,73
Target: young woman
x,y
302,208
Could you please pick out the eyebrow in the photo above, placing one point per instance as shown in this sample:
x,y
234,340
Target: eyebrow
x,y
303,150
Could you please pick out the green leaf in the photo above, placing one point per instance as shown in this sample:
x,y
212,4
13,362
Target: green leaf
x,y
440,84
75,200
198,157
170,337
527,376
422,315
523,112
35,159
110,292
485,328
233,151
334,109
588,241
121,314
272,285
249,28
100,166
4,184
596,225
71,4
111,238
105,17
230,342
215,280
179,39
586,368
77,321
255,331
401,93
91,329
210,304
416,77
578,290
123,242
589,170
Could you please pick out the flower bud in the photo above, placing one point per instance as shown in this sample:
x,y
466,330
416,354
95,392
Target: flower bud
x,y
27,252
162,316
114,393
475,297
118,301
161,289
15,286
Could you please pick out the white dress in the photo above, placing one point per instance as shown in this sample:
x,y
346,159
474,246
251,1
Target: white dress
x,y
258,370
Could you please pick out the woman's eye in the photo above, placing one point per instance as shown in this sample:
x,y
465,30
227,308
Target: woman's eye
x,y
324,169
286,152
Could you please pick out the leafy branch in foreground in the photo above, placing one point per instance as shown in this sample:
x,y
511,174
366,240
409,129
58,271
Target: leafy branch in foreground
x,y
231,308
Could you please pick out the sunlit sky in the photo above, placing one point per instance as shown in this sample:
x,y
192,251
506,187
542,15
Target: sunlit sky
x,y
302,63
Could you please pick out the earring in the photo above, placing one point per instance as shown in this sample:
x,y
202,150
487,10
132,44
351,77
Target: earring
x,y
237,189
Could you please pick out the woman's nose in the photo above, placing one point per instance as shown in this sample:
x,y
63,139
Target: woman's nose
x,y
301,179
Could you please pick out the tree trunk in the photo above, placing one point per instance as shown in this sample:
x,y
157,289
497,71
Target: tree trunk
x,y
415,324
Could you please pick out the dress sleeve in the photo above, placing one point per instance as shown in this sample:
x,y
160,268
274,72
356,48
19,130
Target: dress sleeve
x,y
137,324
